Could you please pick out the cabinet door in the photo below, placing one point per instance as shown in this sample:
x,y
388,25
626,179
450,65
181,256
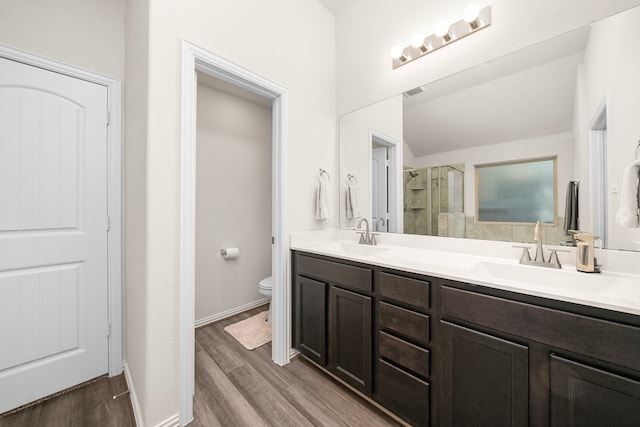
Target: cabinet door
x,y
484,379
350,338
585,396
310,321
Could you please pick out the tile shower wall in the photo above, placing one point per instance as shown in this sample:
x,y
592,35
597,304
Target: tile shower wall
x,y
551,234
433,201
416,216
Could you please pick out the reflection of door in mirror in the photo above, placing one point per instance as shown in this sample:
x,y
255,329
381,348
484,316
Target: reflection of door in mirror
x,y
379,188
386,197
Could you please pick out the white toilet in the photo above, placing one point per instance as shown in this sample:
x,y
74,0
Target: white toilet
x,y
264,287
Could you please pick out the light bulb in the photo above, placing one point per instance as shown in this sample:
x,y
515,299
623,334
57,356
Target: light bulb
x,y
397,52
417,40
471,14
442,30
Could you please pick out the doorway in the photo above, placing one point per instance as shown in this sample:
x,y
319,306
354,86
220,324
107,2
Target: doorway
x,y
196,59
233,199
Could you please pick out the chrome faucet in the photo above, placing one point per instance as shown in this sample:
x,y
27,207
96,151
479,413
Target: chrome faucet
x,y
537,238
366,238
539,260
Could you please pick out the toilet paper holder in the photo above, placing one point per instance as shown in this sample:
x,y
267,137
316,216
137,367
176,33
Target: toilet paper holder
x,y
230,253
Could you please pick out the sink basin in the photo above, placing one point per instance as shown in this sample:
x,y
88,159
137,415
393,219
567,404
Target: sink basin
x,y
429,259
547,279
350,248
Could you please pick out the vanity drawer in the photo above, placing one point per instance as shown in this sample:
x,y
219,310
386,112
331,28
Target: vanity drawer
x,y
602,339
406,323
405,354
347,276
404,394
405,290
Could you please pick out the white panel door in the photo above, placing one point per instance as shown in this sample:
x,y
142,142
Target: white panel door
x,y
53,234
379,190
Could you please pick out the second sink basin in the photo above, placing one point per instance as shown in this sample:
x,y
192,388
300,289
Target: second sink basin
x,y
542,278
351,248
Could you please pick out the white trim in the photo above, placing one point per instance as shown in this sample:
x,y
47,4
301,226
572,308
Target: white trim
x,y
172,421
135,404
194,59
114,159
598,171
228,313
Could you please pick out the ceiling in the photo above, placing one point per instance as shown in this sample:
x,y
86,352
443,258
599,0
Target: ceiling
x,y
335,6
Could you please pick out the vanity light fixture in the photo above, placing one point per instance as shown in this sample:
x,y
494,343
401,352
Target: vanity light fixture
x,y
473,19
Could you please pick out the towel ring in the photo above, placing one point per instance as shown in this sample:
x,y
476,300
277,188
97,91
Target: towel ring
x,y
324,172
350,176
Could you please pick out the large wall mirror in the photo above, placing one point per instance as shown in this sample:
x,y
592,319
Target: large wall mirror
x,y
574,98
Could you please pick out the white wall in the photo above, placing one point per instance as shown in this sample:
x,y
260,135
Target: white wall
x,y
366,31
85,34
290,42
233,200
611,62
135,206
560,145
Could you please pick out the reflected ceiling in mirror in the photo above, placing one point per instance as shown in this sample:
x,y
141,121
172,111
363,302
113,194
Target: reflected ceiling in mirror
x,y
524,95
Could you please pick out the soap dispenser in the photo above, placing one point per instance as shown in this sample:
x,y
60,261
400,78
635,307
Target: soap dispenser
x,y
585,253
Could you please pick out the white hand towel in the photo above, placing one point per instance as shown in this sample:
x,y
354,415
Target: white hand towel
x,y
322,200
353,200
630,193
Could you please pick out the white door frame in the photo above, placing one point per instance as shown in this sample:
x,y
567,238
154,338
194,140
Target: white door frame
x,y
598,172
114,195
197,59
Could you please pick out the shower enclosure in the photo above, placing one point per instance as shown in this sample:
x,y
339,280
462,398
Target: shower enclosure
x,y
434,200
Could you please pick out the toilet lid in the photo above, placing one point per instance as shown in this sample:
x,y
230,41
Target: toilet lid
x,y
266,283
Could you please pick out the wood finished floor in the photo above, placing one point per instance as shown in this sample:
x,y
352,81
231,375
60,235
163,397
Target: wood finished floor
x,y
89,405
238,387
234,387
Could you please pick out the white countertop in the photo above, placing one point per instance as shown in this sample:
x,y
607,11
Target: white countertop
x,y
618,291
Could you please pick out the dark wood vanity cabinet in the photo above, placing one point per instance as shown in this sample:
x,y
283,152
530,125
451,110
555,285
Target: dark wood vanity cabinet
x,y
445,353
309,317
332,315
350,338
514,363
404,350
485,379
582,395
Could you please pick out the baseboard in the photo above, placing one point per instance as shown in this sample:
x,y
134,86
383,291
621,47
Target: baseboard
x,y
137,413
229,313
293,353
172,421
